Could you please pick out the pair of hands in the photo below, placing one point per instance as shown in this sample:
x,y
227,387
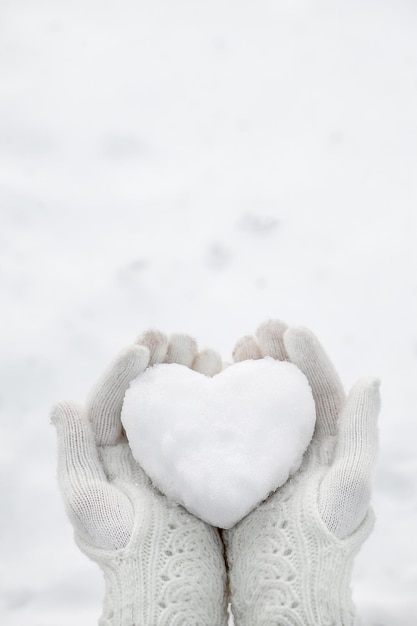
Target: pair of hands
x,y
288,561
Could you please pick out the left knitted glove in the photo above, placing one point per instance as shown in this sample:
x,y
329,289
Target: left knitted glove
x,y
162,566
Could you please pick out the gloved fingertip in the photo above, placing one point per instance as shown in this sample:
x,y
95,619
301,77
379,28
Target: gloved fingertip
x,y
133,358
63,411
374,383
270,339
55,414
298,338
208,362
272,326
157,344
369,390
246,348
182,349
369,386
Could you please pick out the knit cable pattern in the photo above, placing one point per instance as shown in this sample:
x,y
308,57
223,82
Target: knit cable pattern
x,y
171,572
286,567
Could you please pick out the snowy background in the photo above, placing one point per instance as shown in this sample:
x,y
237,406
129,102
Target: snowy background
x,y
200,167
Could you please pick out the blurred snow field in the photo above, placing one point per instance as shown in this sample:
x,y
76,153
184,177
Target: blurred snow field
x,y
200,167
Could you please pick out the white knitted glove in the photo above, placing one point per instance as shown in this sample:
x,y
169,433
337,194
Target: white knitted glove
x,y
162,566
290,559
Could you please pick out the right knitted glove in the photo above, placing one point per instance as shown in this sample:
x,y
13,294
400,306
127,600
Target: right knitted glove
x,y
290,560
162,566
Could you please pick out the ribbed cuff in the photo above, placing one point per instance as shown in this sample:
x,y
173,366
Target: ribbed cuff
x,y
147,590
292,573
123,601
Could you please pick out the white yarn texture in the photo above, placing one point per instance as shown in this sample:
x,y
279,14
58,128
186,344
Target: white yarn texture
x,y
286,567
162,566
290,560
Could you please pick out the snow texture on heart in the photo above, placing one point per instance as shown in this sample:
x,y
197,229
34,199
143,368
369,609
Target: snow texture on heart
x,y
220,445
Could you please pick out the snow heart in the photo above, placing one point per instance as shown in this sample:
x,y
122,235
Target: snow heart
x,y
218,446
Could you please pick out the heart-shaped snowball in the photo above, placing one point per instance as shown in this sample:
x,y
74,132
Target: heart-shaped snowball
x,y
218,446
